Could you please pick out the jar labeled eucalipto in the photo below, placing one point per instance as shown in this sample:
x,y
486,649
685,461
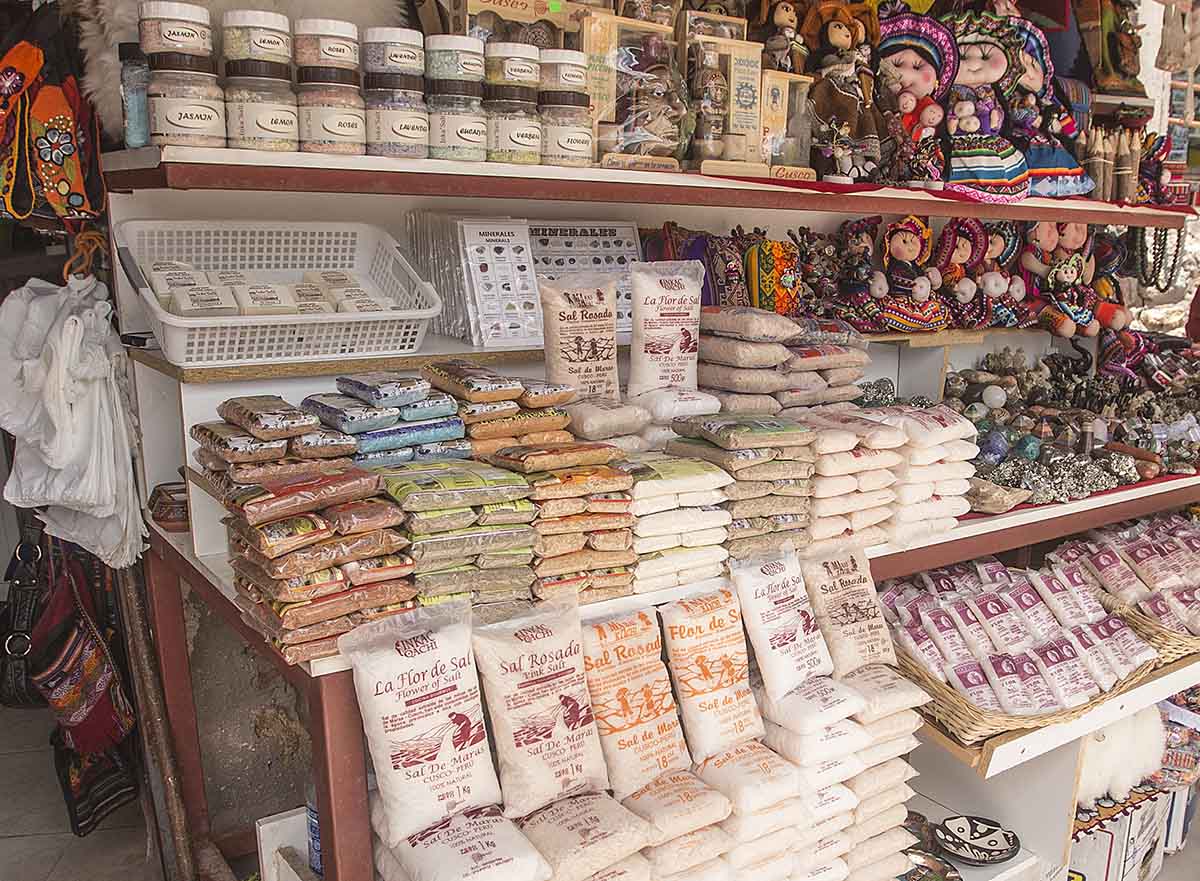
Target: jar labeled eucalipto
x,y
457,124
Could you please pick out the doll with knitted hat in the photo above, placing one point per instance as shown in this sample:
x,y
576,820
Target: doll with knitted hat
x,y
906,286
958,254
995,276
1108,256
1070,303
855,303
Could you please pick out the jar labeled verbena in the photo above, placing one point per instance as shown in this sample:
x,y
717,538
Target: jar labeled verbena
x,y
457,124
397,118
332,118
514,131
325,42
174,27
187,107
254,35
511,64
393,50
566,129
260,106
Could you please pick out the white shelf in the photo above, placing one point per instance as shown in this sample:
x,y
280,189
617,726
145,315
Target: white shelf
x,y
1012,870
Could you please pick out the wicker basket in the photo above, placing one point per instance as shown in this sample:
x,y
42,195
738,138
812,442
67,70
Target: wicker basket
x,y
969,724
1170,645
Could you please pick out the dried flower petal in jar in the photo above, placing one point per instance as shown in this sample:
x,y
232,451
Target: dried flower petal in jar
x,y
254,35
397,118
174,27
511,64
457,124
393,50
331,111
514,130
563,70
187,107
566,129
454,58
260,106
326,42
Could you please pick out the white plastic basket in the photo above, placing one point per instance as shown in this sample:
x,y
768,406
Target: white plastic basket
x,y
280,252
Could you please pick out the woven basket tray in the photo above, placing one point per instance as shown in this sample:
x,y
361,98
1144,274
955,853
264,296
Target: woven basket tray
x,y
1171,646
969,724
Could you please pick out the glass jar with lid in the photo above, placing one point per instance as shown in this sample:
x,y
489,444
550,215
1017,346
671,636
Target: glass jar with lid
x,y
457,124
254,35
331,111
260,106
165,27
514,129
397,118
325,42
187,107
566,129
449,57
393,50
511,64
564,70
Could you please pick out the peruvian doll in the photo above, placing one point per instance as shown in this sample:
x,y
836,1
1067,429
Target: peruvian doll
x,y
1070,304
959,252
1108,256
855,303
1041,239
906,286
1038,117
995,276
984,164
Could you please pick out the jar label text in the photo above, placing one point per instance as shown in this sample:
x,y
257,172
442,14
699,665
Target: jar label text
x,y
170,116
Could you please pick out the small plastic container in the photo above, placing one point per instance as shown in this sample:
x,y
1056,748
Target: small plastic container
x,y
325,42
260,106
566,129
393,50
563,70
397,118
254,35
332,118
511,64
135,80
457,124
174,27
514,129
450,57
187,107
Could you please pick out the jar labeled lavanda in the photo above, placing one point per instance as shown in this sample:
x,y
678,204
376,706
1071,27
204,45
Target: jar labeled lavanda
x,y
563,70
514,131
511,64
332,119
393,50
325,42
397,118
260,106
566,129
174,27
187,107
252,35
454,58
457,125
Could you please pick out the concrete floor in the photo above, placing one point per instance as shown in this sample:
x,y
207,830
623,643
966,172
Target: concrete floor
x,y
1183,866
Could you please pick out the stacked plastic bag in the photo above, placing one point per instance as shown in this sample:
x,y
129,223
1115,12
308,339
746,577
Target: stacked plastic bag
x,y
67,405
667,405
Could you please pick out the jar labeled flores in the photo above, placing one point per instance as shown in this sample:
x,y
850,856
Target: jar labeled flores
x,y
457,124
397,118
331,111
174,27
566,129
325,42
253,35
187,107
260,106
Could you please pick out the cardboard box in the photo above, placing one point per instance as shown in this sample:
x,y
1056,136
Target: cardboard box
x,y
1121,842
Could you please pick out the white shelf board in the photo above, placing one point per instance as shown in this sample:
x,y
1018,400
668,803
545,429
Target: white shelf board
x,y
1013,870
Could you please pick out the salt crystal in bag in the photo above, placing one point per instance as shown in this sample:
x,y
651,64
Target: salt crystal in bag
x,y
666,325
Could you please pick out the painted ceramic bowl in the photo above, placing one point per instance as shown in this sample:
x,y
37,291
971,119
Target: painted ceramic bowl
x,y
976,841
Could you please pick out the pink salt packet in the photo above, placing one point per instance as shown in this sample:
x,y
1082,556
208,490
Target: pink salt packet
x,y
969,680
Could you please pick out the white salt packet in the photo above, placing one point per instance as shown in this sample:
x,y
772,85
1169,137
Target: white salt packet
x,y
655,582
817,703
1185,604
906,473
924,427
1031,602
708,660
920,646
881,846
702,538
850,502
1005,679
1034,684
808,749
1065,673
1075,577
580,835
833,440
629,443
1092,656
885,692
877,825
667,404
923,455
894,725
656,543
779,620
540,707
821,528
634,867
654,505
847,608
894,866
598,418
872,435
418,693
959,450
713,870
702,498
1061,599
658,474
969,680
968,625
666,325
869,481
1004,624
775,868
1114,574
676,803
945,633
880,778
827,849
764,847
904,534
688,850
784,815
479,844
956,486
881,801
856,460
879,753
912,493
936,508
631,698
827,804
668,522
834,870
822,774
751,776
387,867
1152,567
834,485
656,437
911,602
696,574
678,559
1135,651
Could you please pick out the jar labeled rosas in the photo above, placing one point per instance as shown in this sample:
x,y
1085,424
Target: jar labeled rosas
x,y
514,130
393,50
260,106
187,107
326,42
397,118
564,70
332,118
566,129
253,35
454,58
511,64
457,124
174,27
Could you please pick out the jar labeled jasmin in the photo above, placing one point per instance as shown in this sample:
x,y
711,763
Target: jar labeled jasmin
x,y
393,50
260,106
457,124
174,27
331,114
514,130
563,70
454,58
566,129
397,118
325,42
253,35
511,64
187,107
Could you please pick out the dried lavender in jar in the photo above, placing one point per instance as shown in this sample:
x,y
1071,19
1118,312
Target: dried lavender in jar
x,y
393,50
397,118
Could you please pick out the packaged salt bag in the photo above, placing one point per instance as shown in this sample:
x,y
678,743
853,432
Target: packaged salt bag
x,y
1186,605
971,682
885,692
581,835
779,620
799,748
1152,567
894,866
764,847
925,428
1076,578
708,659
634,867
1034,684
1065,673
1114,574
676,803
880,778
813,705
751,776
912,602
893,725
689,850
1158,608
631,698
786,814
1005,679
832,847
1004,624
822,774
877,804
968,625
878,753
1030,602
713,870
1093,657
1135,650
479,844
834,870
847,608
840,739
940,626
877,825
541,711
775,868
873,850
666,325
828,802
1061,599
